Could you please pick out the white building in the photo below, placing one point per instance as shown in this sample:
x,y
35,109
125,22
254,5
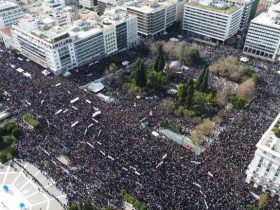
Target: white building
x,y
155,16
62,46
10,13
210,21
89,4
264,170
249,11
263,37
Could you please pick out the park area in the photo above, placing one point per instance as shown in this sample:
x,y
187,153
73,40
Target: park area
x,y
195,94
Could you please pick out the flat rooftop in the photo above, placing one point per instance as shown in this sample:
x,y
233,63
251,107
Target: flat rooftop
x,y
270,18
149,6
4,5
270,141
45,26
215,7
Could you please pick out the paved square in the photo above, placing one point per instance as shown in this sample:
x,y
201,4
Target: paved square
x,y
23,189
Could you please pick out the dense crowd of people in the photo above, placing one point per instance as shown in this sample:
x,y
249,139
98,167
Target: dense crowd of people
x,y
114,153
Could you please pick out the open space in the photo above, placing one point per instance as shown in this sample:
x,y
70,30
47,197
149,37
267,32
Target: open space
x,y
18,187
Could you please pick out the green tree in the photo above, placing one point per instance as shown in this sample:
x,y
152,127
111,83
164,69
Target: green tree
x,y
16,132
182,93
238,101
3,158
160,62
263,200
140,73
204,85
251,207
200,79
156,79
190,94
73,207
113,68
195,56
200,103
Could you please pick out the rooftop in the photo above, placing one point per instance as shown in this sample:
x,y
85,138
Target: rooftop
x,y
148,6
6,5
42,22
6,31
270,18
221,7
270,141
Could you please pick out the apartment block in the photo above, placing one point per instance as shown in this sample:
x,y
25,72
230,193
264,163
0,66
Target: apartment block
x,y
263,37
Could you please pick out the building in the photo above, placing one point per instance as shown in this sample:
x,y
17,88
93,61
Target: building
x,y
10,13
264,169
263,37
69,41
88,4
6,37
210,21
249,11
268,3
155,17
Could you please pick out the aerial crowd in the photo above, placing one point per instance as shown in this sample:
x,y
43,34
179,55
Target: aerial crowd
x,y
113,152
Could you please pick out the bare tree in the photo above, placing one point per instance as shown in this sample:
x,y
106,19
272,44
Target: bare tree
x,y
247,89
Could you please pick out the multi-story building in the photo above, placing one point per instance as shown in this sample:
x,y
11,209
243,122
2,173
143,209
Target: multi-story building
x,y
249,11
155,17
268,3
263,37
10,13
89,4
264,169
211,21
61,47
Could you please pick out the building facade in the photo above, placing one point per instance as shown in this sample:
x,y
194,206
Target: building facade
x,y
210,21
89,4
155,17
10,13
249,11
60,48
264,169
263,37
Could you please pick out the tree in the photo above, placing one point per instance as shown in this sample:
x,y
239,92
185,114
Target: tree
x,y
156,79
113,68
182,93
247,89
251,207
263,200
3,158
16,132
160,62
190,94
200,79
195,56
73,207
204,85
200,103
238,101
140,73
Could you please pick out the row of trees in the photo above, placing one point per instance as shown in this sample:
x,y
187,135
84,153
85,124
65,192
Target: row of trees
x,y
8,134
153,78
185,92
186,53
